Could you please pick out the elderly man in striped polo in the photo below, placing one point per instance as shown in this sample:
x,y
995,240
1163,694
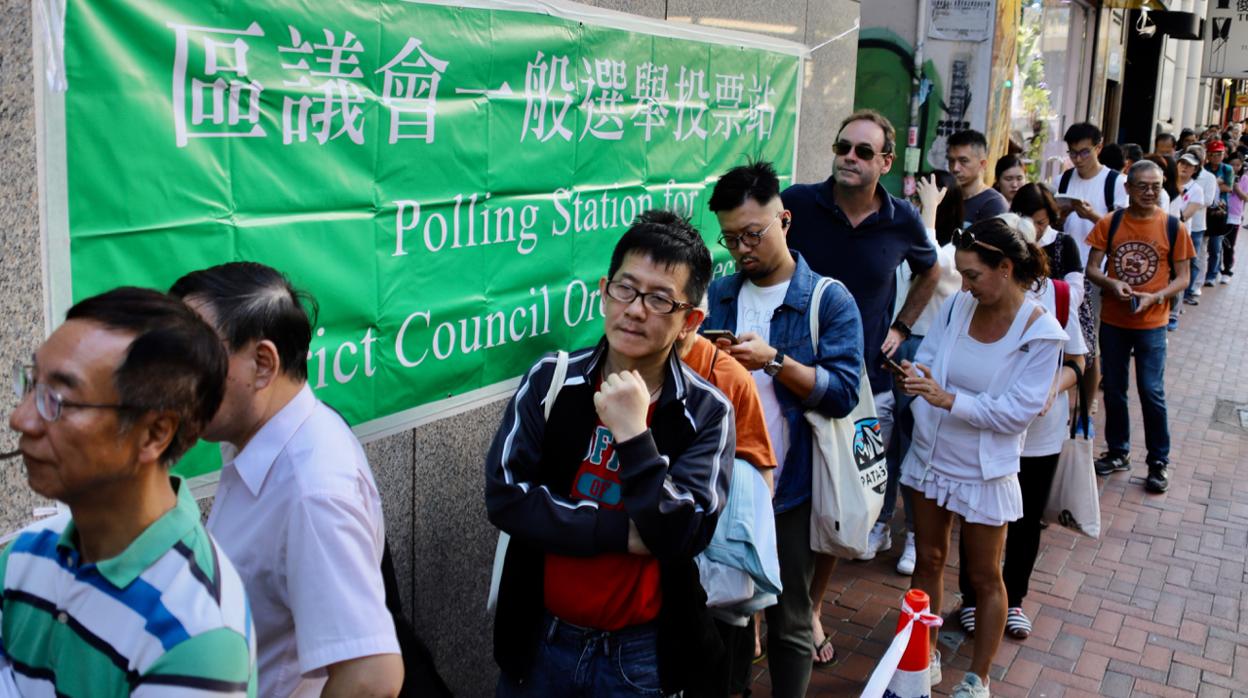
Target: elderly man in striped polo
x,y
126,595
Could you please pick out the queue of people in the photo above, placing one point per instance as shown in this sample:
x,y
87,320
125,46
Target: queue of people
x,y
971,320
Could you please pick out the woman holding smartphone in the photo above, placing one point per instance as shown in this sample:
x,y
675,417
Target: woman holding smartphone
x,y
984,372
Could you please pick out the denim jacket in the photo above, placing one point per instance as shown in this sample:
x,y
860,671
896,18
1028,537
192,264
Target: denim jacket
x,y
837,365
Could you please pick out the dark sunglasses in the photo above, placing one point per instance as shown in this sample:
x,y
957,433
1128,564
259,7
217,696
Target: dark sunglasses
x,y
862,150
965,239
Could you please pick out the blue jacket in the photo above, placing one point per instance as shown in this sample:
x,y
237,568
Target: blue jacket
x,y
836,367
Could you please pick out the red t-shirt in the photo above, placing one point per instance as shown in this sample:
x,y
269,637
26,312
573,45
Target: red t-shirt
x,y
609,591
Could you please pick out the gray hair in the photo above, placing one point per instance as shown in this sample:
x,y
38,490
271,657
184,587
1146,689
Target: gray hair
x,y
1140,167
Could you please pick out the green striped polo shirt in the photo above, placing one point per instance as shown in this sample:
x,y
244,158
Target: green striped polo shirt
x,y
167,617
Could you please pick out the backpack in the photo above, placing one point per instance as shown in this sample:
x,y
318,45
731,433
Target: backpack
x,y
1172,235
1111,179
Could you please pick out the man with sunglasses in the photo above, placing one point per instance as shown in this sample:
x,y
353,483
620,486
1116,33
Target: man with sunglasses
x,y
610,479
126,594
767,304
851,229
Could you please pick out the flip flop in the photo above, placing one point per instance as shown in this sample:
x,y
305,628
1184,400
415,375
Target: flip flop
x,y
827,642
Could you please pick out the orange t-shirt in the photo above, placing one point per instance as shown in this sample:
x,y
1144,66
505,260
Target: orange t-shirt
x,y
1141,258
725,373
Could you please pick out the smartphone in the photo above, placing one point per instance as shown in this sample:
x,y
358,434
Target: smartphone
x,y
1135,303
714,335
895,367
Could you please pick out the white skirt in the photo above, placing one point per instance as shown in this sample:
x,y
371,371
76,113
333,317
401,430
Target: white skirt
x,y
993,502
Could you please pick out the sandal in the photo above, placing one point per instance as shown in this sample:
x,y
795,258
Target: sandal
x,y
827,642
966,616
1017,624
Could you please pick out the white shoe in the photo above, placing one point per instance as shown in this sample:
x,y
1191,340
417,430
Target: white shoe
x,y
880,539
1224,280
971,687
933,670
1196,292
905,563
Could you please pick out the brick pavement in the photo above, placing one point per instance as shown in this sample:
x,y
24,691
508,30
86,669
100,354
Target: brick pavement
x,y
1157,606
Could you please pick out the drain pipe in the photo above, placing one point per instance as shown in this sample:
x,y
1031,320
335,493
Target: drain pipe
x,y
913,152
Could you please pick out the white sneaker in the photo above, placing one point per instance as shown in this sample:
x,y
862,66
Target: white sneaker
x,y
905,564
971,687
1196,292
881,539
933,670
1224,280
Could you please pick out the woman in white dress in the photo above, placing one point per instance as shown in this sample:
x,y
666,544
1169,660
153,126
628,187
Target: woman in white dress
x,y
984,371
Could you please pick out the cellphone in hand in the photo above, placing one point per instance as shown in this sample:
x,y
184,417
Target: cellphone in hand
x,y
895,367
1135,303
714,335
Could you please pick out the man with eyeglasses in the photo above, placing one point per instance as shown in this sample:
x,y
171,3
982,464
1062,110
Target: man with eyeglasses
x,y
767,304
610,480
126,595
851,229
1149,260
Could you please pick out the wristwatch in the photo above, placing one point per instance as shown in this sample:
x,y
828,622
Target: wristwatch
x,y
773,367
901,327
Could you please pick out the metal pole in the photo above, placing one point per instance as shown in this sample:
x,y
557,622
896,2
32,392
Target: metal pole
x,y
913,151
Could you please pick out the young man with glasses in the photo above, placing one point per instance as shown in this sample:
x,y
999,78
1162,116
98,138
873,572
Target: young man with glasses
x,y
126,594
967,156
851,229
766,305
610,490
1144,269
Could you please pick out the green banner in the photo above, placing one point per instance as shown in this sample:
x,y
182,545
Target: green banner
x,y
448,181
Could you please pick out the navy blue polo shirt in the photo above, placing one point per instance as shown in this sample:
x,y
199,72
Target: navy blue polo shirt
x,y
865,258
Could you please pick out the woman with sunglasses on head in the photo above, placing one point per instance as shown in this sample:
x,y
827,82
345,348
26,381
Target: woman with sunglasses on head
x,y
1033,208
984,372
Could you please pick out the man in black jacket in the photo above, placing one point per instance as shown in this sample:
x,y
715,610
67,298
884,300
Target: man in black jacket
x,y
610,492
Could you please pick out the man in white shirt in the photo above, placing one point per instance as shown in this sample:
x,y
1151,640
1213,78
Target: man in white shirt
x,y
296,509
1089,191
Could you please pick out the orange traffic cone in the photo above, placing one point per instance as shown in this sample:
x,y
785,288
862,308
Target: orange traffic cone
x,y
903,670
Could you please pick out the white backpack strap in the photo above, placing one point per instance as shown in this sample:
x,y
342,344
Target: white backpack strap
x,y
556,381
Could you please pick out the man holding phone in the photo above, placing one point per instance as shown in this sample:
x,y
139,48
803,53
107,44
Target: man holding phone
x,y
1136,282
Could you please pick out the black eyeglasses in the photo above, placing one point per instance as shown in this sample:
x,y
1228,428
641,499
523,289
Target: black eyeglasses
x,y
965,239
1154,187
1079,154
654,302
864,151
49,403
749,239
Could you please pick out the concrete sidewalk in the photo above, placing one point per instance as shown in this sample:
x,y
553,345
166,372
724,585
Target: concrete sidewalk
x,y
1157,606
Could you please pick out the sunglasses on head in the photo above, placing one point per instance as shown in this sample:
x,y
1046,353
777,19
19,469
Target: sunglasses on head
x,y
863,150
965,239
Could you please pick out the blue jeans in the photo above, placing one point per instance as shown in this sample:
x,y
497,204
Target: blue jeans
x,y
1214,243
575,661
899,441
1149,348
1198,239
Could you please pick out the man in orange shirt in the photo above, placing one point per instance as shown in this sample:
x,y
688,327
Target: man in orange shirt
x,y
732,676
1149,257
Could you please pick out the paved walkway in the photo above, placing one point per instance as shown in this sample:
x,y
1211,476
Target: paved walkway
x,y
1157,606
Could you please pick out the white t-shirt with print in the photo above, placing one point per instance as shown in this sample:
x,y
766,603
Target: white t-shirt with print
x,y
1192,193
1093,192
755,307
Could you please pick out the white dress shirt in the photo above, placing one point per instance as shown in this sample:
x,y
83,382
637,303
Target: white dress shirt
x,y
298,513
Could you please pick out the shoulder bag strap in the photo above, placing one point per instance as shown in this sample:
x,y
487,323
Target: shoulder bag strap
x,y
1111,178
1061,291
556,382
815,299
1064,183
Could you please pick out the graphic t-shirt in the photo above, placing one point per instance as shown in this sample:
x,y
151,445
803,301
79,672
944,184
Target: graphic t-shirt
x,y
1193,193
609,591
1139,257
755,306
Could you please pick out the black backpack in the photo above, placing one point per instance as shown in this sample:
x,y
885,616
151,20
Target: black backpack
x,y
1111,178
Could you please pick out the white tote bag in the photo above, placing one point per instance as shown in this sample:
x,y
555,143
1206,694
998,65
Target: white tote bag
x,y
848,469
500,550
1074,501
